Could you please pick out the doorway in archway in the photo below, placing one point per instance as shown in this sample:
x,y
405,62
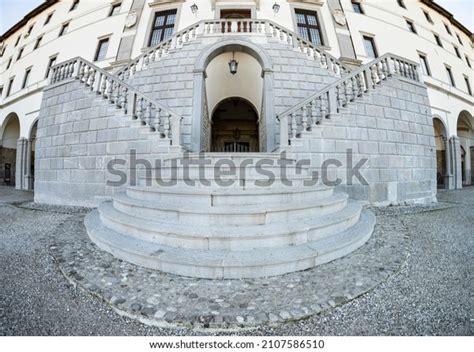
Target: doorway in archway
x,y
235,127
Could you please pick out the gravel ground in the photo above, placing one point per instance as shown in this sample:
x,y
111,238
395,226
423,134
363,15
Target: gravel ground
x,y
432,295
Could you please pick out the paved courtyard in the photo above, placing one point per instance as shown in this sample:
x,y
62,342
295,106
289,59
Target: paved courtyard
x,y
428,293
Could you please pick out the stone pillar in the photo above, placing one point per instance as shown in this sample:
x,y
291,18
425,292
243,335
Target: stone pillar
x,y
468,165
448,178
29,173
455,149
269,111
21,146
198,101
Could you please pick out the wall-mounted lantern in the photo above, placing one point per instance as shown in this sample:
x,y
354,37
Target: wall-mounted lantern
x,y
194,8
233,65
276,7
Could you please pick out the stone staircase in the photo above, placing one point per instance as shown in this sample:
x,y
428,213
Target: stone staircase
x,y
244,230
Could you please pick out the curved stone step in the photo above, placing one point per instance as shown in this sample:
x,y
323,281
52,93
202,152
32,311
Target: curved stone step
x,y
216,215
219,264
224,196
230,237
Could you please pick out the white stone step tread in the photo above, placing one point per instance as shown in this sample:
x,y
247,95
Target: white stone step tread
x,y
231,209
150,226
230,264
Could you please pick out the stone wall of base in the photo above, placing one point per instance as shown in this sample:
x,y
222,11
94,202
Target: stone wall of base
x,y
391,129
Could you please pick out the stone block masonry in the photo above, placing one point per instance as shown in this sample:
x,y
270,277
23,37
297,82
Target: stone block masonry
x,y
398,144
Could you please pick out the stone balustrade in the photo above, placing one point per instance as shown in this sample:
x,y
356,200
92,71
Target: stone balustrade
x,y
141,107
233,27
312,111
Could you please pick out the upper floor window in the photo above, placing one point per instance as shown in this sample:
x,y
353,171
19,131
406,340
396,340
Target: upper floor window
x,y
101,51
26,77
370,48
9,63
411,26
3,50
308,26
115,9
38,42
401,3
428,17
468,85
17,41
450,76
425,68
30,29
20,53
51,63
63,29
438,40
163,26
357,7
468,62
48,18
456,50
448,30
459,39
74,5
9,87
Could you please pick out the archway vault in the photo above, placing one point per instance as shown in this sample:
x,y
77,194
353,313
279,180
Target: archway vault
x,y
201,127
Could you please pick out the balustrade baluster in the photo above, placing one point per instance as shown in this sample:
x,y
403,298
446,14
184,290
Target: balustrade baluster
x,y
125,100
118,98
148,115
103,85
304,118
293,126
91,79
157,120
166,126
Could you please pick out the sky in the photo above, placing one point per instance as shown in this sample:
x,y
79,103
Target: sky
x,y
11,11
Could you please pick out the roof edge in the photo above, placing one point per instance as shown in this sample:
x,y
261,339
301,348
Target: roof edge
x,y
37,10
433,5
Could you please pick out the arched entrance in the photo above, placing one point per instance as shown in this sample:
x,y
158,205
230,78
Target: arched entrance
x,y
10,133
442,163
234,126
215,84
465,132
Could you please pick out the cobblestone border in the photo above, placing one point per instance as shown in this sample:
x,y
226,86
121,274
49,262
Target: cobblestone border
x,y
165,300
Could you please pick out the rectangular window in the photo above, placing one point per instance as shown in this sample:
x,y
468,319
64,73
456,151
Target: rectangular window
x,y
468,62
438,40
63,29
1,91
74,5
468,85
30,29
447,29
370,48
17,41
308,26
51,63
115,9
450,76
9,63
411,26
25,78
357,7
424,65
10,85
459,39
163,26
456,50
101,51
401,3
19,54
48,18
38,42
3,51
428,17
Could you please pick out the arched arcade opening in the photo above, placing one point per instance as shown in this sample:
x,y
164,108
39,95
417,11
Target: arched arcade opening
x,y
465,132
9,133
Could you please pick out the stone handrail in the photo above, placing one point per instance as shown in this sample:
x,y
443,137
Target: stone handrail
x,y
328,101
228,27
150,113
